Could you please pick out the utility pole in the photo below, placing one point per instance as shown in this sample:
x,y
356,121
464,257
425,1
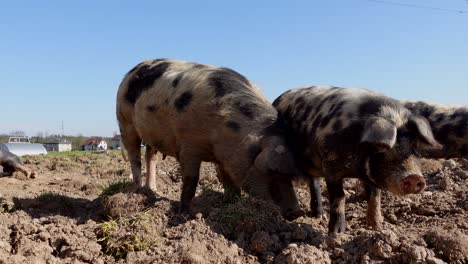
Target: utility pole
x,y
62,128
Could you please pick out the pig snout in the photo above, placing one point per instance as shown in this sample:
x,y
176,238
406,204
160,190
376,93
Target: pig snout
x,y
413,184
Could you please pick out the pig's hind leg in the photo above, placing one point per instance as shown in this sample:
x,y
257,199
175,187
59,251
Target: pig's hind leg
x,y
132,143
150,157
190,163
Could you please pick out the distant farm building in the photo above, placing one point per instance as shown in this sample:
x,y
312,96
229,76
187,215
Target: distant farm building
x,y
22,146
94,143
116,142
58,145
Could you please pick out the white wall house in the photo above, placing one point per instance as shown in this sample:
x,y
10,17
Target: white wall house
x,y
58,145
95,143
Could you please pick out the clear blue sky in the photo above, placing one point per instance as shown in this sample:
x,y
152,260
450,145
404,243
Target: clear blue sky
x,y
63,60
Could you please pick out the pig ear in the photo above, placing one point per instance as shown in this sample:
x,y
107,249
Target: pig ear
x,y
420,126
276,159
379,133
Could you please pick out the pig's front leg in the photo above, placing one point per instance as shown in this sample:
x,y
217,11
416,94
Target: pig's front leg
x,y
316,207
374,213
337,222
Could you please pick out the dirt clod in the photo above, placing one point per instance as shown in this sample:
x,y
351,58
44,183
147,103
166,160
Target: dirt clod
x,y
449,245
127,201
260,242
302,254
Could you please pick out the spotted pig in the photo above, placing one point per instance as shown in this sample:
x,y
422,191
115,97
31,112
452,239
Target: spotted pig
x,y
338,133
11,163
449,125
196,113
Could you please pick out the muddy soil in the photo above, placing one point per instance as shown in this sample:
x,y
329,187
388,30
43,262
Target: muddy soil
x,y
63,216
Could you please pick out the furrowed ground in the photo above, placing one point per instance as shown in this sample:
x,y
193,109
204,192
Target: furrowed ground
x,y
81,209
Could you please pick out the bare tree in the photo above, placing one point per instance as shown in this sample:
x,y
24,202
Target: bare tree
x,y
18,133
40,135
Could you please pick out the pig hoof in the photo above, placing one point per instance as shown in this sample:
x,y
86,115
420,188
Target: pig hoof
x,y
341,229
316,213
293,215
375,225
138,184
334,234
338,228
374,219
183,209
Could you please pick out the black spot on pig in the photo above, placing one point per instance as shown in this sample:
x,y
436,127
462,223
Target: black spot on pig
x,y
319,106
197,66
225,81
156,61
280,98
277,101
233,125
177,79
151,108
253,151
134,68
326,120
305,114
246,108
344,140
369,107
316,122
143,79
183,101
438,117
427,110
300,102
337,125
332,98
335,111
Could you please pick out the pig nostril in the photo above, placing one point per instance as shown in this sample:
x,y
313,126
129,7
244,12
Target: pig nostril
x,y
418,187
406,185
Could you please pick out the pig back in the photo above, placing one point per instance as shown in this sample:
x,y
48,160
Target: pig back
x,y
171,102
